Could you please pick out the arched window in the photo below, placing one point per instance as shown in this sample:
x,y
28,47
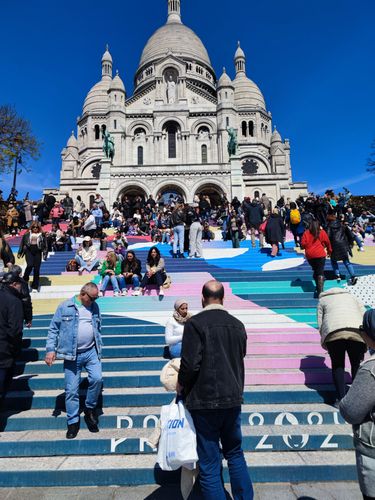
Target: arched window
x,y
91,200
140,155
104,128
251,128
227,121
139,132
203,131
97,132
256,194
244,129
204,153
115,124
171,129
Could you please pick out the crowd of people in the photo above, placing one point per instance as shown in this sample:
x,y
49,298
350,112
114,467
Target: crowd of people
x,y
322,226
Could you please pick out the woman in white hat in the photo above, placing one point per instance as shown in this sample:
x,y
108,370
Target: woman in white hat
x,y
174,329
87,255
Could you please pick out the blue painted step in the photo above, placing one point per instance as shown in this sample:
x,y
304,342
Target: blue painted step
x,y
26,400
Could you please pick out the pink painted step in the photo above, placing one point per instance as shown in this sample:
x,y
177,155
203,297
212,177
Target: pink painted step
x,y
269,363
291,378
289,328
274,349
283,337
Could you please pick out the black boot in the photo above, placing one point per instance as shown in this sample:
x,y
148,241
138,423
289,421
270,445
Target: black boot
x,y
181,255
174,255
91,420
338,375
72,431
319,285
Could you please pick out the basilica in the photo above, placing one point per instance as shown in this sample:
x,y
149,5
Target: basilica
x,y
171,135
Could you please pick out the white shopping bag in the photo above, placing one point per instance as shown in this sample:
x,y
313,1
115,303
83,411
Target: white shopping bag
x,y
178,442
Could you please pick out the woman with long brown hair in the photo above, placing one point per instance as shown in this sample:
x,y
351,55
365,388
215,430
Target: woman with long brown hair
x,y
33,247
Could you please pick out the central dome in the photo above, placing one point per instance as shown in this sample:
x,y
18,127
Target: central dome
x,y
179,39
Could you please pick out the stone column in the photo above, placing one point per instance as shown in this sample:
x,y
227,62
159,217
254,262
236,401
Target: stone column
x,y
105,180
237,184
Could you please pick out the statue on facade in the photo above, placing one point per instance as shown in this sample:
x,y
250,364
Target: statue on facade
x,y
232,141
108,145
171,90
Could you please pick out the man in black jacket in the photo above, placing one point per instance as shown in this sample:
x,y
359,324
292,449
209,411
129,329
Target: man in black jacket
x,y
255,216
212,379
11,321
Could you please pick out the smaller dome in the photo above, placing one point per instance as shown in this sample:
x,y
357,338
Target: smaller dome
x,y
239,52
224,80
107,56
97,98
117,84
247,93
72,141
276,137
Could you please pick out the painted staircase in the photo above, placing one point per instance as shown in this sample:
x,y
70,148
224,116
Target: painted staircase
x,y
291,432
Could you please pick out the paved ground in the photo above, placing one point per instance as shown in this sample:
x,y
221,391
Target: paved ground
x,y
267,491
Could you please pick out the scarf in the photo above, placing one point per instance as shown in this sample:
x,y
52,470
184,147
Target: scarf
x,y
180,319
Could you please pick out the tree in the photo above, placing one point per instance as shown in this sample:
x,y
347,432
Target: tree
x,y
17,140
371,159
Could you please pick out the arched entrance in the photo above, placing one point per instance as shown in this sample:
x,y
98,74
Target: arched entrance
x,y
215,193
170,194
133,192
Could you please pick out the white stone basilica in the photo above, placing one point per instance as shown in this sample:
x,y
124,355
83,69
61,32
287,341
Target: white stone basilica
x,y
170,135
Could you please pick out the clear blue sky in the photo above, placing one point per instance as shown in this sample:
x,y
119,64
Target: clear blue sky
x,y
313,60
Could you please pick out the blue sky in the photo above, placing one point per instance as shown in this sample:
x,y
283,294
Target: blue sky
x,y
313,60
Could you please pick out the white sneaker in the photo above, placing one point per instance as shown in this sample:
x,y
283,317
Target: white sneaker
x,y
124,292
34,290
161,292
101,294
116,294
136,293
361,249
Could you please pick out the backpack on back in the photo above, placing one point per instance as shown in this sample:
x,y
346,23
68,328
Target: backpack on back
x,y
295,216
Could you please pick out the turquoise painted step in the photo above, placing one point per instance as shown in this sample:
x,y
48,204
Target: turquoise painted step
x,y
26,400
108,366
118,340
140,476
131,329
35,354
97,446
110,382
16,423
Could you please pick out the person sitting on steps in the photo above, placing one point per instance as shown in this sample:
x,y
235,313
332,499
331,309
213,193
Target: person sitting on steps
x,y
86,256
130,273
155,272
110,271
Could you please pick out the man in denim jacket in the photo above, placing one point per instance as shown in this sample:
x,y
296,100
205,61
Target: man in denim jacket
x,y
74,335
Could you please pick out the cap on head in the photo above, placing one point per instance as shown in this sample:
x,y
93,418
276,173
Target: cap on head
x,y
11,277
369,323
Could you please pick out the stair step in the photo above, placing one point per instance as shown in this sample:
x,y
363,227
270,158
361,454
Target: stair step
x,y
140,469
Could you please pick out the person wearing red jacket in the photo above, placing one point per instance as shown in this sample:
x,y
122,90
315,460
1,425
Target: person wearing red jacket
x,y
316,244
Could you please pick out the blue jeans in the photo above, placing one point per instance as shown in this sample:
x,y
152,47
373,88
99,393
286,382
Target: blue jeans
x,y
178,238
89,266
347,264
72,371
134,280
110,278
175,350
212,427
